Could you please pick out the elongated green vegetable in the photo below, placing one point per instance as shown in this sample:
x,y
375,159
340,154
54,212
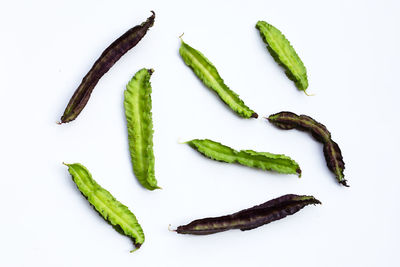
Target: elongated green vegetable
x,y
208,74
250,158
284,54
137,105
118,215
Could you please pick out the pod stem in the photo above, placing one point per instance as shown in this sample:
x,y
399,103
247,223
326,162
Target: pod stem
x,y
180,141
169,228
308,94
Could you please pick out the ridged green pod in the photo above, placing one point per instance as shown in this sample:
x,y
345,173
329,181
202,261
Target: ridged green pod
x,y
209,75
284,54
137,105
115,213
250,158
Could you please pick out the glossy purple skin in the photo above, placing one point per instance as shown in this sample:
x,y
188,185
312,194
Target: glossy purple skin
x,y
107,59
251,218
333,156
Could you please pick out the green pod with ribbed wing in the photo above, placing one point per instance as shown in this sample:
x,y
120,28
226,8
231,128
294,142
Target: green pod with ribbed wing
x,y
113,211
137,105
209,75
284,54
250,158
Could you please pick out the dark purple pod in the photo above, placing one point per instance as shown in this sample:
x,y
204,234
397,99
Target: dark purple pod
x,y
334,160
251,218
333,156
107,59
288,120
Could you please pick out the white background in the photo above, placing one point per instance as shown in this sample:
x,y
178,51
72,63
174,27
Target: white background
x,y
351,51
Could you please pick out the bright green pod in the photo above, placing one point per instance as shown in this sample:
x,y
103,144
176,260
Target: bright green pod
x,y
209,75
113,211
250,158
284,54
137,105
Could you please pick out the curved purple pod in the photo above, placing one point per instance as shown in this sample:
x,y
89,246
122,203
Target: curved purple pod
x,y
107,59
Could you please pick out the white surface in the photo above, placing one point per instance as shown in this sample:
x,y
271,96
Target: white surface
x,y
351,51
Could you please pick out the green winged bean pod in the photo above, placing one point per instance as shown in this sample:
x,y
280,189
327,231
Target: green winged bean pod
x,y
137,105
114,212
250,158
209,75
333,156
284,54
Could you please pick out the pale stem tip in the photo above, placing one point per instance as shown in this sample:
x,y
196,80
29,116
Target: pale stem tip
x,y
170,229
181,141
180,36
59,122
308,94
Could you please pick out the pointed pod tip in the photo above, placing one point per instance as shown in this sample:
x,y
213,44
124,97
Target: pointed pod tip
x,y
308,199
152,187
66,119
317,202
66,164
269,118
344,182
254,115
312,200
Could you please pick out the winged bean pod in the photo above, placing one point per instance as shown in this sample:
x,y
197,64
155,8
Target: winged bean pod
x,y
287,120
250,158
284,54
251,218
209,75
107,59
137,105
114,212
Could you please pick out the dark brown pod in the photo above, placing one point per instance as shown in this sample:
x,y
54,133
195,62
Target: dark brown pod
x,y
251,218
107,59
334,160
333,156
